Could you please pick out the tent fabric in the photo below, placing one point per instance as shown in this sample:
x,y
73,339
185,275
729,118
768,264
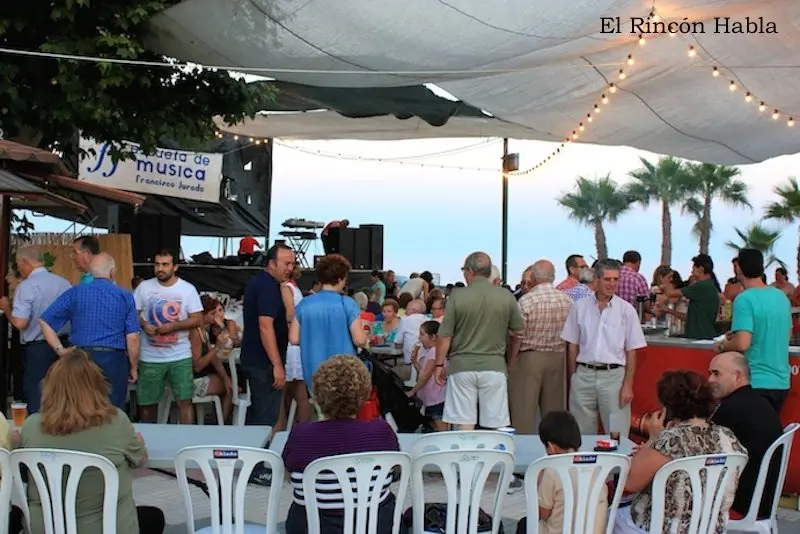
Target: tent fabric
x,y
535,64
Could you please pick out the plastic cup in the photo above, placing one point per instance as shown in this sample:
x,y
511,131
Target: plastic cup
x,y
19,412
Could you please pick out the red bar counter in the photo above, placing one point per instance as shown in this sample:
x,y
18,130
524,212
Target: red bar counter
x,y
663,354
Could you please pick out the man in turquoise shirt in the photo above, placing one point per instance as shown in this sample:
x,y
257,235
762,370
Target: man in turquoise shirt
x,y
84,249
378,289
761,329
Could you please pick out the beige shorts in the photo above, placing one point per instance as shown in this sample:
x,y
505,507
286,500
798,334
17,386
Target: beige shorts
x,y
471,391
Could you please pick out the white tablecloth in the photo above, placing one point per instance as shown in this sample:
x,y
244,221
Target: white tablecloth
x,y
164,441
528,448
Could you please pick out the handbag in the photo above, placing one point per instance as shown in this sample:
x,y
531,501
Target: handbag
x,y
436,519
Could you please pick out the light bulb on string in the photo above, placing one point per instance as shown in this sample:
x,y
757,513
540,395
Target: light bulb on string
x,y
604,99
748,97
574,134
776,115
258,141
790,123
589,117
732,86
235,137
251,139
581,127
762,107
642,40
621,74
630,59
692,52
715,72
596,108
655,17
612,88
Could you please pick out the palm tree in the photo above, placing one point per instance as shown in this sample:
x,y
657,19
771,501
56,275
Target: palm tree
x,y
787,209
709,182
665,182
594,202
761,238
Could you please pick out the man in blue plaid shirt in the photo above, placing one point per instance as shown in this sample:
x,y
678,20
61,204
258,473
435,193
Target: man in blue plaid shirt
x,y
104,323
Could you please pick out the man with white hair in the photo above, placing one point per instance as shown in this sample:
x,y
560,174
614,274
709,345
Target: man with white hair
x,y
537,375
37,291
103,322
478,322
586,287
407,336
496,279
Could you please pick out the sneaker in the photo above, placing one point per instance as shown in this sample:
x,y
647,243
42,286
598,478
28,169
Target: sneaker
x,y
261,477
515,486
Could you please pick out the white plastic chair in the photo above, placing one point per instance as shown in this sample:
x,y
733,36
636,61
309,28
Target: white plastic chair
x,y
465,473
200,403
361,478
59,499
583,477
241,401
5,489
750,522
219,465
721,472
462,440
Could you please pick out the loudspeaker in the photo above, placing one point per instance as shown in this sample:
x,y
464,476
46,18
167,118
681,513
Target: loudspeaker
x,y
120,219
343,241
375,246
361,259
153,233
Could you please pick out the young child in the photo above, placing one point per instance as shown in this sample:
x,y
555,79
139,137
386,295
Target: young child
x,y
427,390
560,434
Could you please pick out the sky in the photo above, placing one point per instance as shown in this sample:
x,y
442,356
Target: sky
x,y
434,217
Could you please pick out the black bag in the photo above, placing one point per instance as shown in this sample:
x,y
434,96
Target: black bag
x,y
436,519
392,396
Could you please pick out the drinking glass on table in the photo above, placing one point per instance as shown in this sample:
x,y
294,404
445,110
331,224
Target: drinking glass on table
x,y
616,424
19,412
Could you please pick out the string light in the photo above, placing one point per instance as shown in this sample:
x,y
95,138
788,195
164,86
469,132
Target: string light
x,y
589,117
581,127
642,40
621,74
596,108
604,99
612,88
733,86
630,59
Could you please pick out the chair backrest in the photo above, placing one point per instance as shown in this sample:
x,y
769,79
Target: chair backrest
x,y
784,442
45,468
721,471
226,470
462,440
465,473
583,477
362,478
5,488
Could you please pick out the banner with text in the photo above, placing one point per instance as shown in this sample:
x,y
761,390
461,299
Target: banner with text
x,y
168,172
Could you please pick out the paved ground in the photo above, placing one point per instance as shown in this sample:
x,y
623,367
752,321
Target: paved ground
x,y
162,491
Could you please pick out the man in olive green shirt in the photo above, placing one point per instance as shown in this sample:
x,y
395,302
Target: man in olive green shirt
x,y
703,296
481,322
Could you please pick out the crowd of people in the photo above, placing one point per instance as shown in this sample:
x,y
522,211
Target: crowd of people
x,y
476,354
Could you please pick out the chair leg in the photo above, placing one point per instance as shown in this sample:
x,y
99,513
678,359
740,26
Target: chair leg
x,y
201,413
218,407
292,415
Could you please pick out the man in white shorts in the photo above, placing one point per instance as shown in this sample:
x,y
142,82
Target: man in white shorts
x,y
474,333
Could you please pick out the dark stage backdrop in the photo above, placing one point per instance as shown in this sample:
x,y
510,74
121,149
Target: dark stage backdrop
x,y
232,280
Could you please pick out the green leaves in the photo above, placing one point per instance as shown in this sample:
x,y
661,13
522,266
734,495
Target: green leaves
x,y
107,101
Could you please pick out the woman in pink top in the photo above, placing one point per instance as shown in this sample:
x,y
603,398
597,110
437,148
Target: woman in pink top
x,y
427,390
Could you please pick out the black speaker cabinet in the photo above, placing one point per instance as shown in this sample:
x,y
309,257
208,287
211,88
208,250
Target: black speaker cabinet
x,y
375,246
153,233
342,241
120,219
361,259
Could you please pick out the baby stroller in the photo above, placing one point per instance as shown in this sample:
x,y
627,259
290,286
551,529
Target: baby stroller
x,y
392,398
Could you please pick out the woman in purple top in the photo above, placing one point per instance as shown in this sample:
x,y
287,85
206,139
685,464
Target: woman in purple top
x,y
341,386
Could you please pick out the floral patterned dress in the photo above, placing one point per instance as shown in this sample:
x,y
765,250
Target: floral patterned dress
x,y
680,441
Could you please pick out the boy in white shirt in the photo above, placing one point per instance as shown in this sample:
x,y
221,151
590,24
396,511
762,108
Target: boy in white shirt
x,y
560,434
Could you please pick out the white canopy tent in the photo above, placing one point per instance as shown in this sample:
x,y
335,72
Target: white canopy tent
x,y
539,66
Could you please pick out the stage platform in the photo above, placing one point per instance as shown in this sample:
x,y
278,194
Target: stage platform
x,y
232,280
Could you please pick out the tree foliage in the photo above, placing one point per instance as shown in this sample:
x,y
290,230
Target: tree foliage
x,y
44,101
761,238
